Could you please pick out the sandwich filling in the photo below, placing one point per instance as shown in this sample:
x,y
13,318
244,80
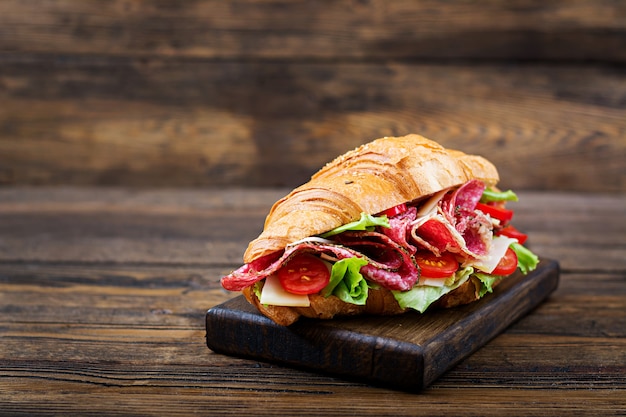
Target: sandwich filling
x,y
419,251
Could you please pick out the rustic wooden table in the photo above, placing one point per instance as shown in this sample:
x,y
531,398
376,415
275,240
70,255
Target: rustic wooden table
x,y
103,295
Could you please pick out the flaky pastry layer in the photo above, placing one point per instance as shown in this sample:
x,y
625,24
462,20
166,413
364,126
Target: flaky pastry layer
x,y
371,178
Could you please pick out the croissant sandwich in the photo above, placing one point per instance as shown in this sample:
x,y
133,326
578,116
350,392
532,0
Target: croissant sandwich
x,y
398,224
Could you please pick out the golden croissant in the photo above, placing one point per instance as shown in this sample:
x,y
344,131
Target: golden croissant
x,y
398,224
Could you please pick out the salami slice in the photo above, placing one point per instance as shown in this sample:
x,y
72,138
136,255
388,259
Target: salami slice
x,y
400,272
457,227
399,230
255,271
388,264
463,199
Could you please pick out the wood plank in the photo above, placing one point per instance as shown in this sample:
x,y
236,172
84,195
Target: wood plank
x,y
169,299
213,228
124,226
51,362
166,123
287,398
376,29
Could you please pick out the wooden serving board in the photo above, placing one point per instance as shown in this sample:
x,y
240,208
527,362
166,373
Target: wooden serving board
x,y
406,352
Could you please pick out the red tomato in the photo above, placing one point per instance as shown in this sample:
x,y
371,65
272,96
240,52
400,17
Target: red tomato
x,y
496,212
507,265
304,274
511,231
400,208
433,266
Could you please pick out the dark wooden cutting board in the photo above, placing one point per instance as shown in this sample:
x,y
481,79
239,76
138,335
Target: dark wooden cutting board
x,y
406,352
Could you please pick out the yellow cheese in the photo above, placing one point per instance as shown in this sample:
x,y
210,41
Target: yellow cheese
x,y
498,248
274,294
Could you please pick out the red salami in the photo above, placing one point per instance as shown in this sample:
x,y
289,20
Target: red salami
x,y
388,264
463,200
457,227
439,235
261,268
400,272
399,230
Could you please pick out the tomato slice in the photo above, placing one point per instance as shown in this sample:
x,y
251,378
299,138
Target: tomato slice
x,y
507,265
400,208
433,266
511,231
304,274
496,212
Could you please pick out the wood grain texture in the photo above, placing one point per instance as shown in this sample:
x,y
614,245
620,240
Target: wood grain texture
x,y
258,93
374,29
171,123
88,335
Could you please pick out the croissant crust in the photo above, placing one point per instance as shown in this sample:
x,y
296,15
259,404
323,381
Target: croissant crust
x,y
371,178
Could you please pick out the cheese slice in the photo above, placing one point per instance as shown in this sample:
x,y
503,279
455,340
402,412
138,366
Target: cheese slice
x,y
430,206
274,294
498,248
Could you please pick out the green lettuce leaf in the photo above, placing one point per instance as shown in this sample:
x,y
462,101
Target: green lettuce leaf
x,y
421,296
487,282
258,286
526,260
490,195
346,281
366,222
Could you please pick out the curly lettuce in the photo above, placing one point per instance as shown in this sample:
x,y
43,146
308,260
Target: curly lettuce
x,y
490,195
346,281
421,297
366,222
487,282
526,260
